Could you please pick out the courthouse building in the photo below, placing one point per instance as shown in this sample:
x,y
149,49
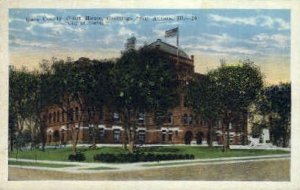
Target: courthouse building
x,y
180,127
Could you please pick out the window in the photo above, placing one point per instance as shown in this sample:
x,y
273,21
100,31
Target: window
x,y
54,117
141,136
163,136
71,115
116,135
141,118
170,135
185,119
58,116
116,117
169,118
101,133
63,116
190,119
50,118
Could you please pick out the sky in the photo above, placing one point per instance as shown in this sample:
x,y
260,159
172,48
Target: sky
x,y
210,35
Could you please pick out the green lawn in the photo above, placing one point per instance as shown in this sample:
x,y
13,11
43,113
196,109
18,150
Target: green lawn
x,y
100,168
199,152
38,164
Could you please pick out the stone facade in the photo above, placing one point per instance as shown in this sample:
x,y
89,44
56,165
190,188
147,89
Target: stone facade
x,y
180,127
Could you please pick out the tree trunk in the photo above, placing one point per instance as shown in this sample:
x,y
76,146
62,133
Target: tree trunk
x,y
224,137
228,137
94,136
210,132
126,127
132,131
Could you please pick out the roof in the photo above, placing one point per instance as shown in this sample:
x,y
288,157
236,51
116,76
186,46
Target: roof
x,y
168,48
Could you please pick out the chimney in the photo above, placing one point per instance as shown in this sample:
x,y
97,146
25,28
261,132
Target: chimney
x,y
192,57
158,41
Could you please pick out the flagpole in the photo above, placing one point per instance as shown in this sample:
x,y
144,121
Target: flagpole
x,y
177,44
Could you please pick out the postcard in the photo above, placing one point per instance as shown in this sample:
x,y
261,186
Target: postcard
x,y
198,95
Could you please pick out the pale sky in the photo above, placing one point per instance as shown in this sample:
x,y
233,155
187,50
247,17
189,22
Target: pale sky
x,y
260,35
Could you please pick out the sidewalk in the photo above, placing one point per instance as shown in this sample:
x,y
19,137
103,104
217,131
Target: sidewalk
x,y
115,167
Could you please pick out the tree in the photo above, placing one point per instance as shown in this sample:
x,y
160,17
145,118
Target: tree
x,y
143,81
202,96
67,83
275,107
97,90
22,85
79,88
238,86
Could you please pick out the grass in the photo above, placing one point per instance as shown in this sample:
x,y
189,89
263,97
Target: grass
x,y
99,168
37,164
61,154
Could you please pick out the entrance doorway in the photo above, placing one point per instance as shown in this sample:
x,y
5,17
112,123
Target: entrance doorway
x,y
188,137
199,137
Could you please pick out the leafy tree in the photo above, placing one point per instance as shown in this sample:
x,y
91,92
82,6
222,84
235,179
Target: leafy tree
x,y
143,81
275,106
238,86
66,83
81,83
22,85
202,96
97,90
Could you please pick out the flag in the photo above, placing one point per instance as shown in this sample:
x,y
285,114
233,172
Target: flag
x,y
172,32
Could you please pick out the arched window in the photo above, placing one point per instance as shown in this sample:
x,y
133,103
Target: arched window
x,y
50,118
71,115
54,117
58,116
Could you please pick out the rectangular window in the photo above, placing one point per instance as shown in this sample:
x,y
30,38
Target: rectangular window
x,y
163,136
141,137
116,117
169,118
170,136
101,133
116,134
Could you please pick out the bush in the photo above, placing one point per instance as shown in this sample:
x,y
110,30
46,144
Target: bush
x,y
139,157
77,157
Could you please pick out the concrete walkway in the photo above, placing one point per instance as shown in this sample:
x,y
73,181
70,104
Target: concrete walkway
x,y
80,167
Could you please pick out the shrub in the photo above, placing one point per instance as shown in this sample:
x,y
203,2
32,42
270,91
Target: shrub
x,y
77,157
139,157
